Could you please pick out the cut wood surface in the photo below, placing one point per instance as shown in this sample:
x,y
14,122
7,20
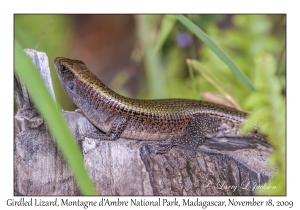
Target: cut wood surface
x,y
221,166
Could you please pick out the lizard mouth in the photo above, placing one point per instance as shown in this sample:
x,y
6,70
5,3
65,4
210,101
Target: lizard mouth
x,y
68,71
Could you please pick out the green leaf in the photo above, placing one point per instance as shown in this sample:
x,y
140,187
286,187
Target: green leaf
x,y
167,24
254,99
253,119
26,71
217,50
269,103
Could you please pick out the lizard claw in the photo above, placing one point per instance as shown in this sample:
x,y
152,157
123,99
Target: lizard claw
x,y
158,147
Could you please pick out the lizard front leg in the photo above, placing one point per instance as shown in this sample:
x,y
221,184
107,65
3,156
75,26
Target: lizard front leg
x,y
118,126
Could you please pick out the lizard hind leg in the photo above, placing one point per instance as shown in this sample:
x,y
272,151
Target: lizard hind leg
x,y
199,126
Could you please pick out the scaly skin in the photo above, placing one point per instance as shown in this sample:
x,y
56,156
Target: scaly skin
x,y
184,122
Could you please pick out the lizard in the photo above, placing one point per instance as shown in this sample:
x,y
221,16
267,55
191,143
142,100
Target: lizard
x,y
169,122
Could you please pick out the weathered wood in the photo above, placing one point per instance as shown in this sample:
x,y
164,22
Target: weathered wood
x,y
39,168
115,167
40,60
126,167
218,167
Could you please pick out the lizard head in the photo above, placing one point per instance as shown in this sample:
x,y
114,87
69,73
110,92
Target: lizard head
x,y
68,70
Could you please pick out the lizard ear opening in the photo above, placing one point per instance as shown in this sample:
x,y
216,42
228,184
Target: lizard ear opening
x,y
71,85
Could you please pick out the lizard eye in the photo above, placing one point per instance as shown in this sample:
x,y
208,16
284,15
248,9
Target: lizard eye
x,y
64,68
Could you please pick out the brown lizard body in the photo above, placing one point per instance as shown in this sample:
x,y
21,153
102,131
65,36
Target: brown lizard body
x,y
185,122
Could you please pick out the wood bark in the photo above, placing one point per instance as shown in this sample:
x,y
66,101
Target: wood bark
x,y
221,166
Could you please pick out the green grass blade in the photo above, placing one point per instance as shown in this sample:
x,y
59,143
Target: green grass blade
x,y
193,79
167,24
154,70
217,50
213,79
26,71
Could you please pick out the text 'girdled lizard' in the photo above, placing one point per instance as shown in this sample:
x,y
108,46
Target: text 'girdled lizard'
x,y
179,121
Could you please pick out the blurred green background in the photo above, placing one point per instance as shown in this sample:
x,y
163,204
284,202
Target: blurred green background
x,y
115,48
159,56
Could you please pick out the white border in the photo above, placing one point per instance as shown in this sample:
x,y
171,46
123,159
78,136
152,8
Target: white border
x,y
170,6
